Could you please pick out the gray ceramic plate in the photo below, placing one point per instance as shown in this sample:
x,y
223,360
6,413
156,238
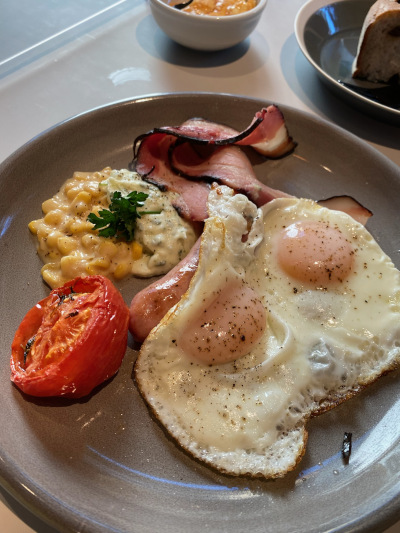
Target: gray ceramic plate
x,y
328,34
103,464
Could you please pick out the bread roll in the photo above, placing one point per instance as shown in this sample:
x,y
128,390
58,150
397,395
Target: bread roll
x,y
378,54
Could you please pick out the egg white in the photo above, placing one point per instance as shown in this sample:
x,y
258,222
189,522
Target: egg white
x,y
319,347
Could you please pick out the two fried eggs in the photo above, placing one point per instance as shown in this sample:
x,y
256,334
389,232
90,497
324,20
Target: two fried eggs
x,y
293,309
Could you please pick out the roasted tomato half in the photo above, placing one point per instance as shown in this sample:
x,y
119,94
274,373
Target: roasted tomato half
x,y
71,341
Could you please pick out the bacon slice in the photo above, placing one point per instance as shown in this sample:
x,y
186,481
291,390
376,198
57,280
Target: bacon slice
x,y
227,165
153,166
159,154
271,138
348,205
267,133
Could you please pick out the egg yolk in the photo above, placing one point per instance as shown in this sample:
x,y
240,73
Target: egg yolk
x,y
315,253
229,326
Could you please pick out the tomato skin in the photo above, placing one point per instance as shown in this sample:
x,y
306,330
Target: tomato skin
x,y
80,332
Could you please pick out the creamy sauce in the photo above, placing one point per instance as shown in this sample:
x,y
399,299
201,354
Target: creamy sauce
x,y
218,7
69,246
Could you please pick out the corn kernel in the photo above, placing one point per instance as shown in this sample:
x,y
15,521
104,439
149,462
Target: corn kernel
x,y
70,266
107,248
83,196
90,269
121,270
137,250
81,176
51,276
52,238
89,240
66,245
93,188
54,217
42,231
103,174
33,226
78,226
73,191
101,262
49,205
69,184
87,226
79,208
97,264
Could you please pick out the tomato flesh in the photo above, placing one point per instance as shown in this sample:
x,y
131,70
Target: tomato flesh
x,y
72,340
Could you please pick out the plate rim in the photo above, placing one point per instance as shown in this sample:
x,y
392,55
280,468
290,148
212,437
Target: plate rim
x,y
193,94
304,14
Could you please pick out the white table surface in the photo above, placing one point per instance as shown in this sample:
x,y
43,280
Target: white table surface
x,y
118,52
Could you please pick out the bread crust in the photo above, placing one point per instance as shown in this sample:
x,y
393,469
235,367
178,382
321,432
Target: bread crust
x,y
378,53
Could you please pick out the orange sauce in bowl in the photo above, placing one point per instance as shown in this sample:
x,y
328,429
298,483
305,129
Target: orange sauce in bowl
x,y
217,7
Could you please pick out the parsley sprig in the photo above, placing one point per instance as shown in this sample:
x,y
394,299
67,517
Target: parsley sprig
x,y
119,220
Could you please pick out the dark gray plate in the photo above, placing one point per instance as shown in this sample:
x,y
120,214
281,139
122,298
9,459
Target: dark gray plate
x,y
103,464
328,34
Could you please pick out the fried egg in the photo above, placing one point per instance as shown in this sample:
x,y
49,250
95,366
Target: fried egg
x,y
293,309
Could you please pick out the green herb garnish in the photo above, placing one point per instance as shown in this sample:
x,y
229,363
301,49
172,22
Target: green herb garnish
x,y
119,220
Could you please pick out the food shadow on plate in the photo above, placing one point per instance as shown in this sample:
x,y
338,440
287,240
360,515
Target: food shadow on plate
x,y
61,401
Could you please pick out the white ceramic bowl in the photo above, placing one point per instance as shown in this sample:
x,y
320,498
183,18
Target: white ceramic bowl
x,y
205,32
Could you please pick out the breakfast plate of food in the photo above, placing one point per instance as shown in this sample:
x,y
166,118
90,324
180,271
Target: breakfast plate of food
x,y
353,46
274,299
